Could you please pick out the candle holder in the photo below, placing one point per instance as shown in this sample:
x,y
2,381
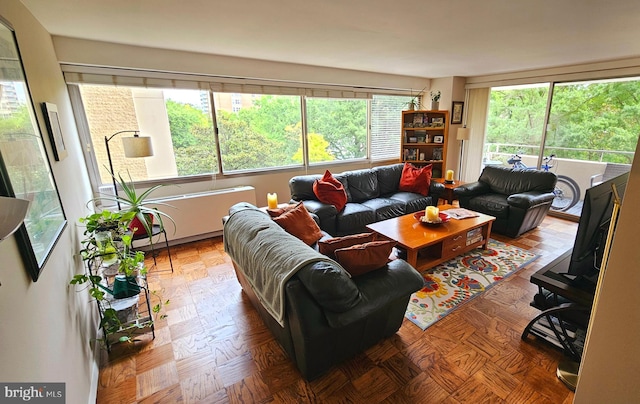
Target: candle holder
x,y
449,181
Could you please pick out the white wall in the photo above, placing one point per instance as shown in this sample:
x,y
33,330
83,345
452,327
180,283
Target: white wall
x,y
46,326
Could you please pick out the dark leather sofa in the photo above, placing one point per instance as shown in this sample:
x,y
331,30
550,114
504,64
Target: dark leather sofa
x,y
329,316
372,195
518,198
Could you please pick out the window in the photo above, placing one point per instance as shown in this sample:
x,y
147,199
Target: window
x,y
336,129
255,131
177,121
265,132
386,117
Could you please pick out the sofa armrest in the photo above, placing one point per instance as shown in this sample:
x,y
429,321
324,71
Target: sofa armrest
x,y
472,189
527,200
378,289
436,190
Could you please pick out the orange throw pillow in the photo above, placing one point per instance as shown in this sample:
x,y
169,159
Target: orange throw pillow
x,y
299,223
415,179
279,211
362,258
330,191
329,246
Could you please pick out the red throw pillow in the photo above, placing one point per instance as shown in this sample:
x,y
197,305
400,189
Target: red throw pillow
x,y
362,258
331,191
415,179
329,246
299,223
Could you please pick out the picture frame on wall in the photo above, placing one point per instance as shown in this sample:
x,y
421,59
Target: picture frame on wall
x,y
457,107
50,112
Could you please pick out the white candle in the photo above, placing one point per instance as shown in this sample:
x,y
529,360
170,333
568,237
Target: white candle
x,y
432,213
272,200
449,176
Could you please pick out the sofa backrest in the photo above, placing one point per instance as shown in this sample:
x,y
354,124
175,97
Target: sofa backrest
x,y
388,178
509,181
362,185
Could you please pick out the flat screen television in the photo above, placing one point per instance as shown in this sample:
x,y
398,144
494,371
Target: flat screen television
x,y
593,227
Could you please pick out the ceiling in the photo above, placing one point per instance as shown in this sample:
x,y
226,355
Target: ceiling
x,y
416,38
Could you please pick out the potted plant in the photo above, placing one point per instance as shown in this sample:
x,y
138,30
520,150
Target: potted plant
x,y
116,294
414,104
435,100
144,216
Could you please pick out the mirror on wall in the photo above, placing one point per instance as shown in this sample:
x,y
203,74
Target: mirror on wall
x,y
25,171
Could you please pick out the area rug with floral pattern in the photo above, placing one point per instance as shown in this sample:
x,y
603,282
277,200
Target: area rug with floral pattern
x,y
455,282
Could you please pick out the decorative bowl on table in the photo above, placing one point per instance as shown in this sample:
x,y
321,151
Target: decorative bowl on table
x,y
420,216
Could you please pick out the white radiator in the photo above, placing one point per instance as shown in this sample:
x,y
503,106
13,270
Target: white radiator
x,y
200,214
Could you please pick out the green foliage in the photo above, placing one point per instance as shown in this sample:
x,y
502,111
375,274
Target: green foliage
x,y
267,134
592,116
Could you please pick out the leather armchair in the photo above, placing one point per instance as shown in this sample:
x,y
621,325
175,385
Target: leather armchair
x,y
519,199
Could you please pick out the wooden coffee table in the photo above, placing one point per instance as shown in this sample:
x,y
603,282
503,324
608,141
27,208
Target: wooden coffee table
x,y
428,246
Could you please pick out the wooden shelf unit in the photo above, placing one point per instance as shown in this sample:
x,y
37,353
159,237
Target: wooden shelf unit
x,y
419,131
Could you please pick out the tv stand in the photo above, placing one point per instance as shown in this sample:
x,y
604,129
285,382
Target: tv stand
x,y
565,306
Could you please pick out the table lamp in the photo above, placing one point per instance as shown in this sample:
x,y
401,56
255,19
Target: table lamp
x,y
134,146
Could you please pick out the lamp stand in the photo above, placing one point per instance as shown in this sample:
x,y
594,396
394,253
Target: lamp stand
x,y
461,156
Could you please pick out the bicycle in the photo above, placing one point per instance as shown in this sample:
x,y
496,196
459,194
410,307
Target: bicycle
x,y
567,190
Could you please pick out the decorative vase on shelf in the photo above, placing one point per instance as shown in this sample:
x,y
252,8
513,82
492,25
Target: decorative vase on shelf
x,y
435,105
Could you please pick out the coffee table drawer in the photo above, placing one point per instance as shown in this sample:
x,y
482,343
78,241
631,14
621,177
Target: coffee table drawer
x,y
454,245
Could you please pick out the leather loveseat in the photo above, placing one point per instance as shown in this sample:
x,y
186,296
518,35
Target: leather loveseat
x,y
328,315
372,195
518,198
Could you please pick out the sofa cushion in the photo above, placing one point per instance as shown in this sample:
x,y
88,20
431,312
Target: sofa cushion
x,y
299,223
385,208
415,179
363,185
491,204
388,178
362,258
330,191
329,245
330,286
354,218
412,202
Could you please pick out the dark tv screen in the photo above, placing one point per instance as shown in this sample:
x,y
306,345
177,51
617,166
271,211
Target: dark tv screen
x,y
593,227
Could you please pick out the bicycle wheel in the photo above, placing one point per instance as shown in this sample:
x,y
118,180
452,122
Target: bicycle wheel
x,y
567,194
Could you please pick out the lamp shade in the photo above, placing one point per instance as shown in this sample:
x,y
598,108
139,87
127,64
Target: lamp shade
x,y
463,133
12,214
137,146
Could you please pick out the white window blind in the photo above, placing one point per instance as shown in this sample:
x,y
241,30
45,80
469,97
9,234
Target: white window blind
x,y
386,115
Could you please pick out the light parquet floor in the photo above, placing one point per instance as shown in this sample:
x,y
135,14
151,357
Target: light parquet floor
x,y
213,347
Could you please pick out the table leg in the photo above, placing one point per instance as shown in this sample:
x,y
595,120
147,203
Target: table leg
x,y
412,257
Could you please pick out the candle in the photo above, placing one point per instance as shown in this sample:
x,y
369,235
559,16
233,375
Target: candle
x,y
432,214
272,200
449,176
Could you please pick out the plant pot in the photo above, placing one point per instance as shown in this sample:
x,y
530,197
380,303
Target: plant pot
x,y
137,224
435,105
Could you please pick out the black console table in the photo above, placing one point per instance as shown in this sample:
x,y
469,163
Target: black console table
x,y
565,304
